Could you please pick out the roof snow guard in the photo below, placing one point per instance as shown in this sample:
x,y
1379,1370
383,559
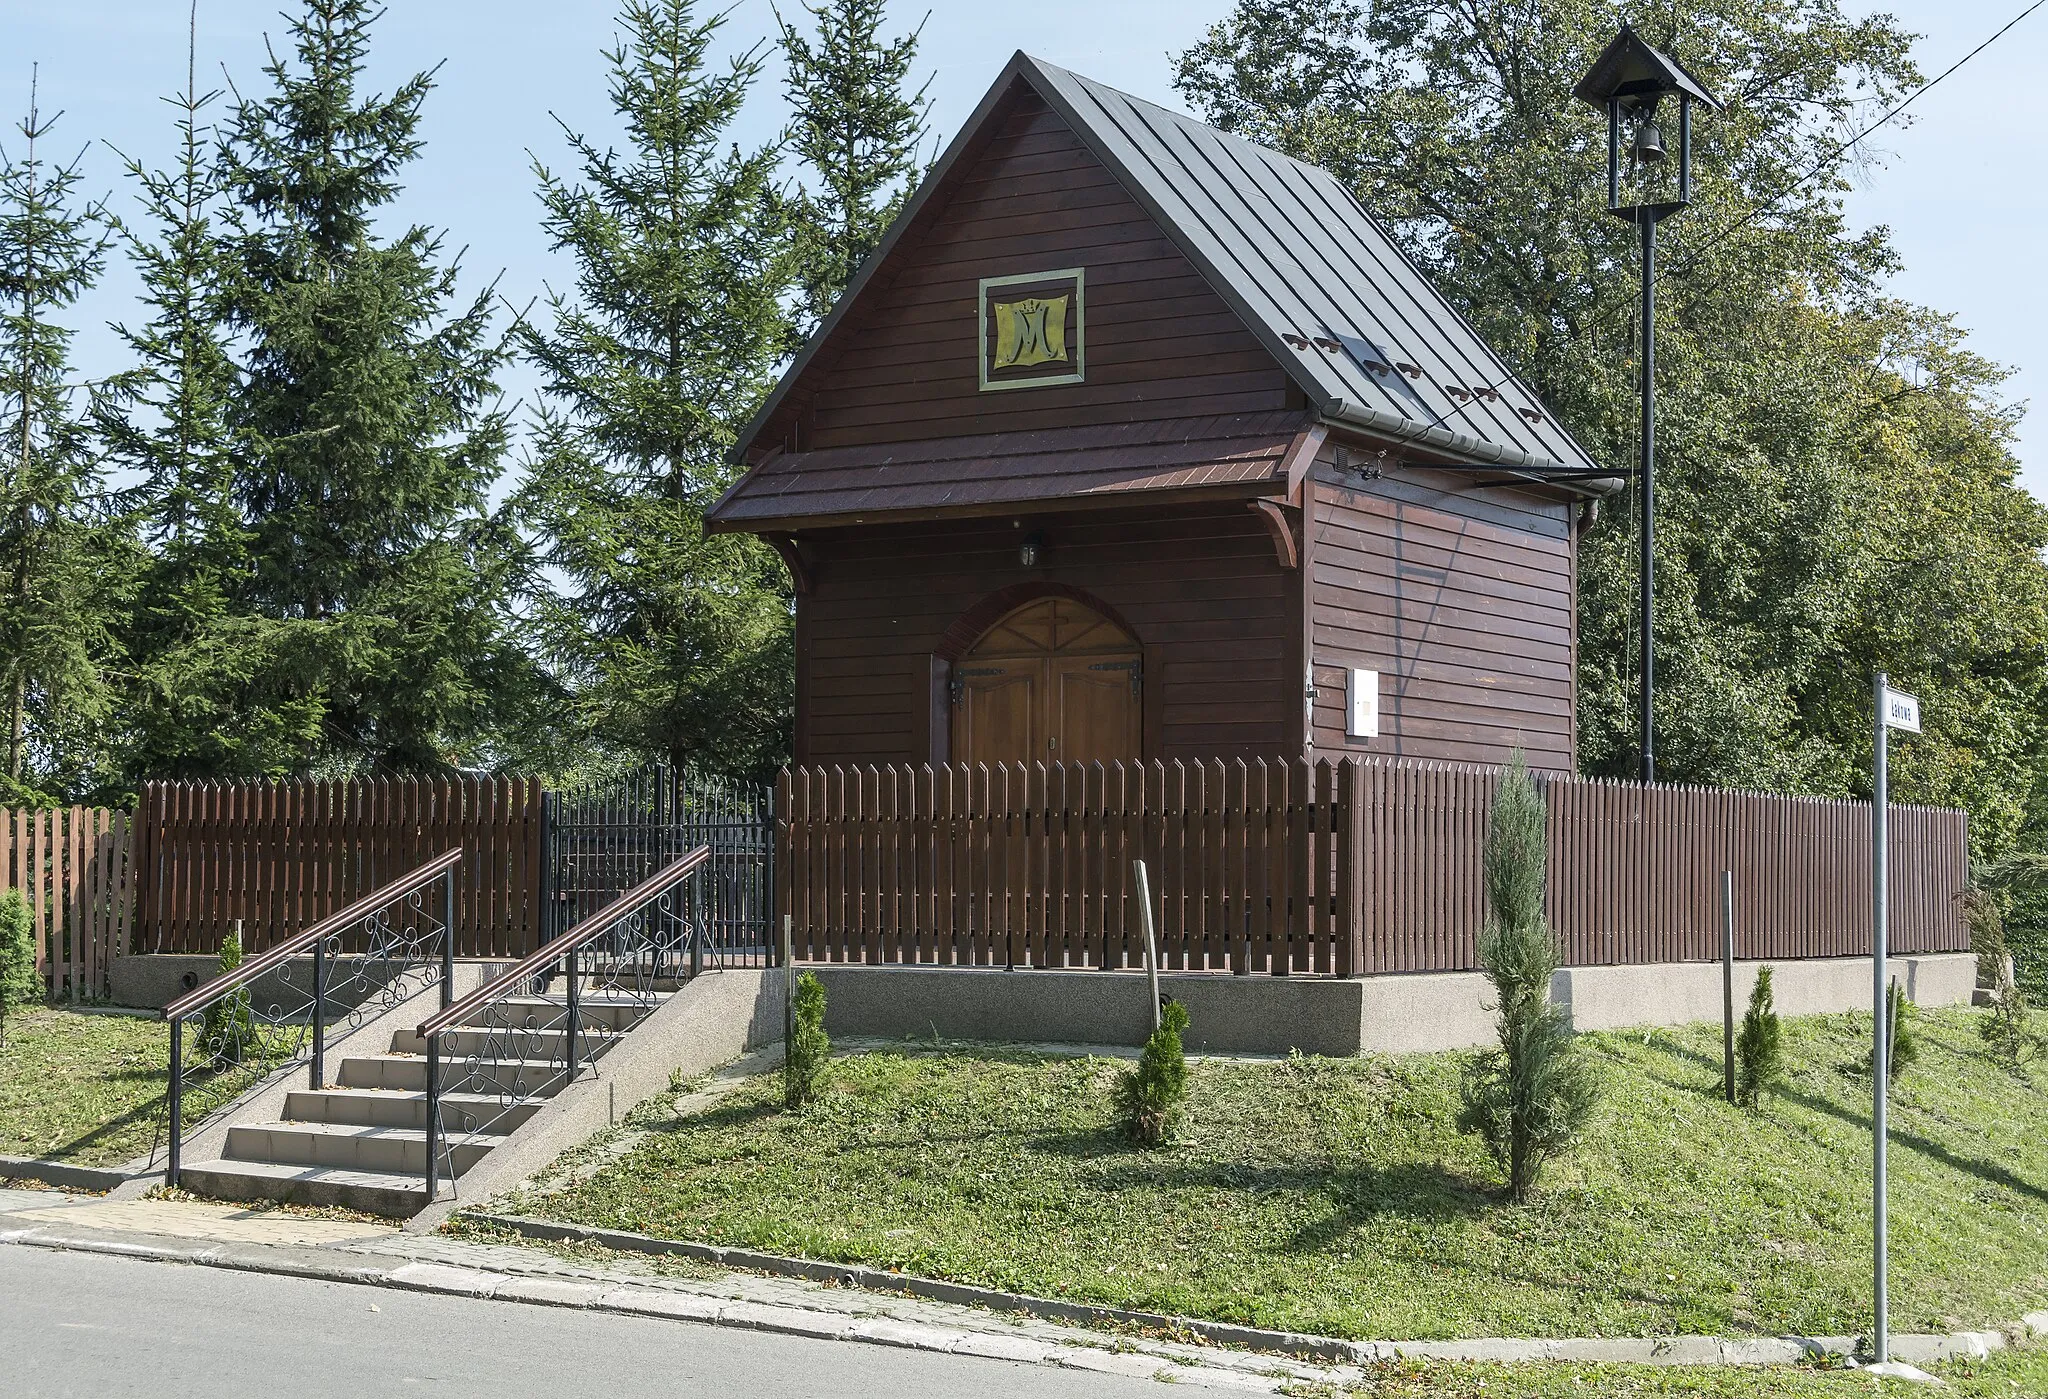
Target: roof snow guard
x,y
1370,342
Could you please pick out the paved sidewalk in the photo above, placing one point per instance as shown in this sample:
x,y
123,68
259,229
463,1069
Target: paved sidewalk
x,y
383,1255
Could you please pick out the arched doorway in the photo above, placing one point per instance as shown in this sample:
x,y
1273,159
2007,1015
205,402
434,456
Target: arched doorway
x,y
1054,681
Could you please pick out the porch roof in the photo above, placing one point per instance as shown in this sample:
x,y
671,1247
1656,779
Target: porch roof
x,y
993,472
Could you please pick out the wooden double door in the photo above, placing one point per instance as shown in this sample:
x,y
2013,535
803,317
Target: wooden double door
x,y
1054,681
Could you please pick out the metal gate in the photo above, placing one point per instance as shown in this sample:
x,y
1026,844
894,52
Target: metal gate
x,y
608,837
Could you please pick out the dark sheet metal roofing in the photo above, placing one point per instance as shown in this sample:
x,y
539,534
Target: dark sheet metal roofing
x,y
1337,303
1356,324
967,475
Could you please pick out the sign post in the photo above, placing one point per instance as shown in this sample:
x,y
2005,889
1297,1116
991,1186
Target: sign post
x,y
1894,710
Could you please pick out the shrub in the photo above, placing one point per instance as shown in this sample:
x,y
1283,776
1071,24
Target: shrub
x,y
227,1033
1151,1094
1902,1042
1531,1096
19,984
803,1060
2004,1026
1759,1045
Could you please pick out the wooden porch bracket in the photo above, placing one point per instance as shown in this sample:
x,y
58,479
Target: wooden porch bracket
x,y
1275,515
792,559
1301,458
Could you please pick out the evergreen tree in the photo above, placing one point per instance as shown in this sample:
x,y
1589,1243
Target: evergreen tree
x,y
676,646
1759,1046
62,556
364,424
856,131
214,689
1530,1097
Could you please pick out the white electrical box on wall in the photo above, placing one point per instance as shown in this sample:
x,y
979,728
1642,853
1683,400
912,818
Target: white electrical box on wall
x,y
1364,707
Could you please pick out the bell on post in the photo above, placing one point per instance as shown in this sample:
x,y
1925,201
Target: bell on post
x,y
1648,146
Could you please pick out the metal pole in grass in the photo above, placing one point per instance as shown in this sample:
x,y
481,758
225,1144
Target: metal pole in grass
x,y
1880,1338
1151,935
1894,710
1728,984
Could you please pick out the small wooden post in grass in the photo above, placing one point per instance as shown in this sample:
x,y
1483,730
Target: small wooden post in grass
x,y
1728,984
1151,936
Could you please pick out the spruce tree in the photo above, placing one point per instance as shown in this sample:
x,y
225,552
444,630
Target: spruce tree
x,y
215,688
63,560
1760,1047
1529,1098
365,425
856,130
676,646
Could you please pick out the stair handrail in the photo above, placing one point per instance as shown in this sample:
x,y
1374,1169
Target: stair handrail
x,y
588,930
200,997
509,982
315,936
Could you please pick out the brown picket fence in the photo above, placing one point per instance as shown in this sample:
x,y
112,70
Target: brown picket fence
x,y
72,868
1346,867
279,856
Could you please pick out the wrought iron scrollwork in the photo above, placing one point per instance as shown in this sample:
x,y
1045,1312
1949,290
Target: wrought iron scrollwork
x,y
277,1009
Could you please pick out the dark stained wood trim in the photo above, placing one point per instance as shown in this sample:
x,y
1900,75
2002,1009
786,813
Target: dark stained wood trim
x,y
1105,500
961,636
1301,459
805,627
1274,515
1152,723
937,740
792,556
1299,666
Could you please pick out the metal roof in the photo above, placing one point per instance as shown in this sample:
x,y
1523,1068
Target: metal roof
x,y
1328,294
993,471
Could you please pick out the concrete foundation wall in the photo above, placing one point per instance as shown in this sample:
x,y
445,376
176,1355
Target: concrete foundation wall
x,y
1381,1014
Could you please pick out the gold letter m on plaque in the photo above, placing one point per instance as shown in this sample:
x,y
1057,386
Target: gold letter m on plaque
x,y
1032,331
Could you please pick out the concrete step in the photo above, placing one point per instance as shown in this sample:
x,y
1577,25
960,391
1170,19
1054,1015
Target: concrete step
x,y
551,1011
478,1043
352,1147
381,1107
407,1073
373,1192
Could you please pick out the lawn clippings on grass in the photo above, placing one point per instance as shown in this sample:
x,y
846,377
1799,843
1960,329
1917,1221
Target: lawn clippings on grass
x,y
1336,1197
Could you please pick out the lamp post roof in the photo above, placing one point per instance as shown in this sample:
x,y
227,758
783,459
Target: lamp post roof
x,y
1630,66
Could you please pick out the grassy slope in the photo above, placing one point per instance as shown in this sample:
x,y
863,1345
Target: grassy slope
x,y
1336,1196
83,1088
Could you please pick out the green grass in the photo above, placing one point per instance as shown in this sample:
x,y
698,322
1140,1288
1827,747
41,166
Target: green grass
x,y
80,1088
1336,1196
2004,1376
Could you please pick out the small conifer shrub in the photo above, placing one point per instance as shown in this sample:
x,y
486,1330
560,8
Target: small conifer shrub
x,y
1152,1093
227,1032
1529,1098
19,984
1902,1039
2005,1024
1759,1045
803,1060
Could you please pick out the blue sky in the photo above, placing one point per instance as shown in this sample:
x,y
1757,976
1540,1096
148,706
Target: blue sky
x,y
1964,189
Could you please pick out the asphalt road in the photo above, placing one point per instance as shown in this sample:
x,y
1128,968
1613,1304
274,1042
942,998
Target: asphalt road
x,y
98,1326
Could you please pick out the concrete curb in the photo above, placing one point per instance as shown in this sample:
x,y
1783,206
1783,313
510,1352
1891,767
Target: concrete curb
x,y
420,1276
1652,1350
63,1173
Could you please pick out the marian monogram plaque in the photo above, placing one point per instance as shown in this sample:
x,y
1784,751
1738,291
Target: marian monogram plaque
x,y
1033,330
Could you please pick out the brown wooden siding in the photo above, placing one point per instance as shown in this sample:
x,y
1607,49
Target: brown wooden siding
x,y
1160,343
1198,586
1463,601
